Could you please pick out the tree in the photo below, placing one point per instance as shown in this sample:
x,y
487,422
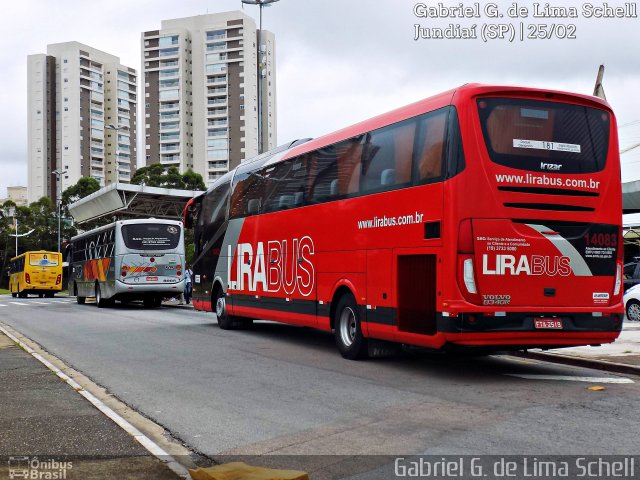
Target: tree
x,y
157,175
85,186
193,181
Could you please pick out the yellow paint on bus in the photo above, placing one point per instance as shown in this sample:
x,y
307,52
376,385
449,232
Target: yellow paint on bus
x,y
38,272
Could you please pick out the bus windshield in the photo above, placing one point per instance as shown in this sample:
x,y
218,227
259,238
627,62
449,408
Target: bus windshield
x,y
544,136
151,236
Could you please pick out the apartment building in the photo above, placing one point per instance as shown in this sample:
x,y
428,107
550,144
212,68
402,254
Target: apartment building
x,y
201,92
81,118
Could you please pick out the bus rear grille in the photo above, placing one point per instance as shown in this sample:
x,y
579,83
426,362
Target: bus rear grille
x,y
551,206
549,191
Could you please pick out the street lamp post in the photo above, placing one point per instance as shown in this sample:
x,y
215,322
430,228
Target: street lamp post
x,y
261,4
116,129
58,174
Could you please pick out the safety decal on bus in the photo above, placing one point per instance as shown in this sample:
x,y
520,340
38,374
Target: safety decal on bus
x,y
290,269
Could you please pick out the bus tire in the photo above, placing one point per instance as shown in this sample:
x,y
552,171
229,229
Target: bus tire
x,y
148,302
81,300
226,321
348,329
101,302
157,301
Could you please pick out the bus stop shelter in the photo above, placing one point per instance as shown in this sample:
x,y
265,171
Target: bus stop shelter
x,y
126,200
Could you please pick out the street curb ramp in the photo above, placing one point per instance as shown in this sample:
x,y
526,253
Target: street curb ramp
x,y
242,471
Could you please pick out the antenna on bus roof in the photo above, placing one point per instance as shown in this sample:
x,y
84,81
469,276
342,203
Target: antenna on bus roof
x,y
598,90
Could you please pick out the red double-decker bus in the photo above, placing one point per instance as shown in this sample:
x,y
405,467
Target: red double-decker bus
x,y
485,216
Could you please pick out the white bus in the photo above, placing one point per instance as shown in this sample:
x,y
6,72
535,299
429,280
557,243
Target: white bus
x,y
128,260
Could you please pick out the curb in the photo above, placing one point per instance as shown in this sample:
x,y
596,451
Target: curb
x,y
153,448
581,362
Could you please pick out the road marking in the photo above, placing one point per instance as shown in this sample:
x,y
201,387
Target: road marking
x,y
573,379
18,303
39,303
145,441
2,305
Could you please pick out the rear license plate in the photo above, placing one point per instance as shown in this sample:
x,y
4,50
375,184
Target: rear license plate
x,y
152,279
549,323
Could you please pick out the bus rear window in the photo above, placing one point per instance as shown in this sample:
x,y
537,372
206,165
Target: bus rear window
x,y
43,260
544,136
151,236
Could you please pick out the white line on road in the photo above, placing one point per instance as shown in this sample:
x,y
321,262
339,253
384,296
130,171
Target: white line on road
x,y
2,305
39,303
573,379
18,303
145,441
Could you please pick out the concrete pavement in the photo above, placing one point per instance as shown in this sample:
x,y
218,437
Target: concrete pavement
x,y
621,356
48,428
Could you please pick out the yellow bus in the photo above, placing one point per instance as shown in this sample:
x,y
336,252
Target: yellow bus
x,y
38,272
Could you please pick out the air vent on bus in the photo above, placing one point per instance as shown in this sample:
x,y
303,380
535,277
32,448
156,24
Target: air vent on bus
x,y
549,191
550,206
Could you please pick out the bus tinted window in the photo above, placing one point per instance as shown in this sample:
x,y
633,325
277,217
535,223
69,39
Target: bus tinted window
x,y
150,236
285,185
431,151
386,161
545,136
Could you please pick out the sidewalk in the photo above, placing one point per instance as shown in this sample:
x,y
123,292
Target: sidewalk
x,y
50,431
623,355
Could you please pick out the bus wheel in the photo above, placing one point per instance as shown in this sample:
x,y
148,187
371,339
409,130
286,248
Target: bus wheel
x,y
148,302
81,300
22,294
226,321
40,295
157,301
348,329
101,302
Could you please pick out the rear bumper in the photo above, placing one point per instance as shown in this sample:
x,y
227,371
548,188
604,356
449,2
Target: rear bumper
x,y
168,288
41,288
517,329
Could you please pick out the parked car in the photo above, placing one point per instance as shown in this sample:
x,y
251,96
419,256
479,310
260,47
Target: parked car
x,y
631,274
632,303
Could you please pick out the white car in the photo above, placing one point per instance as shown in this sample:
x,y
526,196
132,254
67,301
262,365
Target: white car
x,y
632,303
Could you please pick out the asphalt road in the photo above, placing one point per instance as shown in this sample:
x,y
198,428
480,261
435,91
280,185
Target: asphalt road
x,y
285,390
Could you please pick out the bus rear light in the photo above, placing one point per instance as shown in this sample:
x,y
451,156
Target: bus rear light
x,y
123,273
465,237
58,279
152,259
27,278
469,279
618,284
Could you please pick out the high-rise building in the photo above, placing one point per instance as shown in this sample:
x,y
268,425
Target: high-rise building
x,y
201,97
75,94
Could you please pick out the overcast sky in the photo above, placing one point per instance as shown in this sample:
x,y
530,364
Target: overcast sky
x,y
338,61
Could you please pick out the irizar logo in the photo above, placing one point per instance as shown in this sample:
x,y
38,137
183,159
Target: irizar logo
x,y
526,265
550,166
290,268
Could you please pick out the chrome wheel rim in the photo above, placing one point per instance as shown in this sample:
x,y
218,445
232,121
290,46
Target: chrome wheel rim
x,y
98,295
633,312
348,326
220,307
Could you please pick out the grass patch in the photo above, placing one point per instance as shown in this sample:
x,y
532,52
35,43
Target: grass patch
x,y
4,291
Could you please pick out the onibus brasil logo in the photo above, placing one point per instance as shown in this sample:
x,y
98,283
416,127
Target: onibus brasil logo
x,y
35,469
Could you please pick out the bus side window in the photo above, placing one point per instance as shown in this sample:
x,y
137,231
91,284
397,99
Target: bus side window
x,y
285,185
323,175
430,157
387,156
